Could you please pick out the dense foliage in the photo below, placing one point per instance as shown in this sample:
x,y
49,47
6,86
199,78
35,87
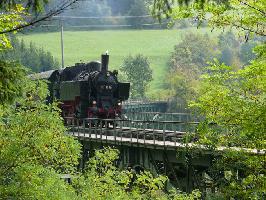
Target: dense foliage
x,y
247,16
232,99
138,72
234,51
36,59
34,150
12,77
102,180
235,102
35,5
12,18
186,65
190,57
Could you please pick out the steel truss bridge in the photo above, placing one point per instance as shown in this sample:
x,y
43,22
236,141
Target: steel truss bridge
x,y
150,138
145,106
141,132
146,140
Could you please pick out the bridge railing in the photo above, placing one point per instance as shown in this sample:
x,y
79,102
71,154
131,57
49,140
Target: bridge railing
x,y
180,120
118,131
141,106
123,130
143,101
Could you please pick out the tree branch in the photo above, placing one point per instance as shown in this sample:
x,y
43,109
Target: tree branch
x,y
52,13
249,29
261,33
253,7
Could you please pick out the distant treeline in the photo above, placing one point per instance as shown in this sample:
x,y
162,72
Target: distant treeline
x,y
134,14
36,59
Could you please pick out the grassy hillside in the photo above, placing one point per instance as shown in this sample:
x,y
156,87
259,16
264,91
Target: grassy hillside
x,y
88,45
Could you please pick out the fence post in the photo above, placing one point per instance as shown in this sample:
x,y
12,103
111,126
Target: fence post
x,y
90,127
164,134
101,129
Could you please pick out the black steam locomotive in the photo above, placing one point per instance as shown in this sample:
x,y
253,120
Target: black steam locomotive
x,y
87,90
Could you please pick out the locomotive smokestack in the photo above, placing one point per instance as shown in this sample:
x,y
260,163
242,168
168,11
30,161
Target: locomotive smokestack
x,y
105,60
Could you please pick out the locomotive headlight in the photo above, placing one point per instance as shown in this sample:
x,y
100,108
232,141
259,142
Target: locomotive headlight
x,y
94,102
119,104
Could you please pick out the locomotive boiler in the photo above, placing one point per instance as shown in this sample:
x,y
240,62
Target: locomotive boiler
x,y
87,90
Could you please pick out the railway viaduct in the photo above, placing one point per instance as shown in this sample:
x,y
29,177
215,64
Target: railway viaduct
x,y
148,138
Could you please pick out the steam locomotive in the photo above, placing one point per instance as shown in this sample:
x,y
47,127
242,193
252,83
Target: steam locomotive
x,y
87,90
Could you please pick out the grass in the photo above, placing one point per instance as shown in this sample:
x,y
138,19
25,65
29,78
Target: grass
x,y
89,45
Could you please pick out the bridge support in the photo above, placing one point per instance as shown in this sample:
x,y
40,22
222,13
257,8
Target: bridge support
x,y
183,174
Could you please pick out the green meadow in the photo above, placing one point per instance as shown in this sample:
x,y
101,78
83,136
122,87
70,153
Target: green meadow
x,y
84,46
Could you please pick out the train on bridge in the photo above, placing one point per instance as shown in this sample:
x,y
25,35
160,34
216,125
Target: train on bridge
x,y
87,90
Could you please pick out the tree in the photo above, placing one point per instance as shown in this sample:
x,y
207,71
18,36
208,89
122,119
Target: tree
x,y
35,5
138,73
229,48
235,102
193,53
232,101
34,148
186,65
12,77
35,182
247,16
19,21
234,52
246,52
12,18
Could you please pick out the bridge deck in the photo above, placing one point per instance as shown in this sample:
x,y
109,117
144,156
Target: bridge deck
x,y
157,144
126,140
139,136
